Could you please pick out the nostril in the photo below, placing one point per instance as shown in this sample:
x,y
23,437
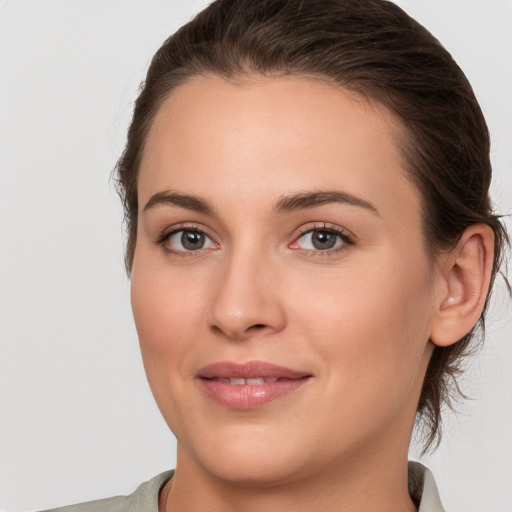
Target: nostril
x,y
257,327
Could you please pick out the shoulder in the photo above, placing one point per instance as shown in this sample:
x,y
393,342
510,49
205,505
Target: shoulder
x,y
144,499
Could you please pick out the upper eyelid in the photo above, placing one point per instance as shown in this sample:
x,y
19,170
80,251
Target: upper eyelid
x,y
347,238
163,241
184,226
326,226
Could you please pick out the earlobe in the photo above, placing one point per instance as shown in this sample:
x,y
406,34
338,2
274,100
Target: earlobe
x,y
465,276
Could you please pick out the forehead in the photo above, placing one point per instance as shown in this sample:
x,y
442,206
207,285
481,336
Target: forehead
x,y
264,137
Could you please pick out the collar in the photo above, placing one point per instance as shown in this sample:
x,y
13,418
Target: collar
x,y
423,489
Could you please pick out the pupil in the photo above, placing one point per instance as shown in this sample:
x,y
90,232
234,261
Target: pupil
x,y
324,240
192,240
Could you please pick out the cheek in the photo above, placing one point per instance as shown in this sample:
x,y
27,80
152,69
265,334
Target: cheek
x,y
371,324
168,310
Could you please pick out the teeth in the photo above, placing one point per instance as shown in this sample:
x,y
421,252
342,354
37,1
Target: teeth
x,y
255,381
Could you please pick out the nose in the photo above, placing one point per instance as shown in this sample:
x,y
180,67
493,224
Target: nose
x,y
246,301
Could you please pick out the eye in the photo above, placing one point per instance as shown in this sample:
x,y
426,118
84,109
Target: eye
x,y
322,239
186,240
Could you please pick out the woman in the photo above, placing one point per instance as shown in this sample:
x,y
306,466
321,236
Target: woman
x,y
311,247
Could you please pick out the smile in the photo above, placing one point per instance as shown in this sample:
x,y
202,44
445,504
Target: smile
x,y
257,381
250,385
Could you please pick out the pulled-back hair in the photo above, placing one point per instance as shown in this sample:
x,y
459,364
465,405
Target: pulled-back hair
x,y
375,49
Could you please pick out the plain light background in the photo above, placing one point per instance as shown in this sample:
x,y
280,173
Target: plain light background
x,y
77,419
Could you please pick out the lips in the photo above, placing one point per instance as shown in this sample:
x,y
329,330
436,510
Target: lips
x,y
256,381
250,385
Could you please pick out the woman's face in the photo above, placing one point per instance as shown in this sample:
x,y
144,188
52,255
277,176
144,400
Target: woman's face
x,y
281,287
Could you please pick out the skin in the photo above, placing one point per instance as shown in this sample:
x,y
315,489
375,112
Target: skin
x,y
358,317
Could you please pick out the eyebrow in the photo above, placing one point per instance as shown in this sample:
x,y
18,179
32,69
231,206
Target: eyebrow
x,y
305,200
182,200
285,204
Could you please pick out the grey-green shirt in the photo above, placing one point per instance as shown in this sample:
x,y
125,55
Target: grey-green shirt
x,y
422,488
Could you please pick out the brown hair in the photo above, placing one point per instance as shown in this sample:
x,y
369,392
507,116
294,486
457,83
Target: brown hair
x,y
371,47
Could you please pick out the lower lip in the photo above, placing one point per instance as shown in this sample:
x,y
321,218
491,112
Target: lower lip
x,y
250,396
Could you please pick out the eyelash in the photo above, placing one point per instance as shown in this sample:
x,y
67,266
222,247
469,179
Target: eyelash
x,y
166,235
346,238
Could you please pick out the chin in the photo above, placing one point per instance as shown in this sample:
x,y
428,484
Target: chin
x,y
248,456
255,471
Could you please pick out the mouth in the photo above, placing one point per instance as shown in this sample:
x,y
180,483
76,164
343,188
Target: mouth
x,y
250,385
255,381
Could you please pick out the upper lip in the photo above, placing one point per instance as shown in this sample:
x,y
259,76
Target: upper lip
x,y
249,370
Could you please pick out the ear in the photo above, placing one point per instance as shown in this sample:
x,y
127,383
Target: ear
x,y
464,281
